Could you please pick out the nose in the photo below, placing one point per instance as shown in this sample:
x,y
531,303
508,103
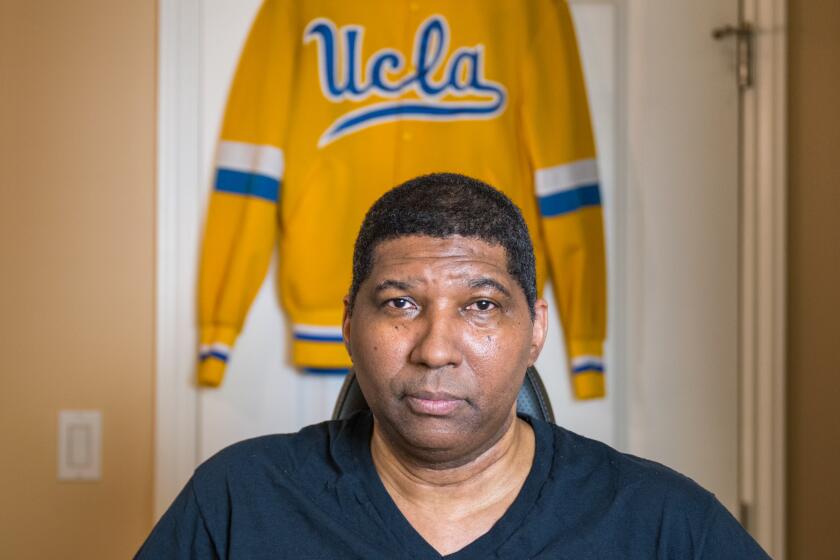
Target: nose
x,y
437,344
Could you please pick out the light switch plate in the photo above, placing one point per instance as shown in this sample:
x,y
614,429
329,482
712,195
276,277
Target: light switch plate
x,y
79,444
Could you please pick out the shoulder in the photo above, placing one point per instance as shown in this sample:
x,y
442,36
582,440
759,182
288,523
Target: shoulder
x,y
300,457
601,471
281,447
609,502
266,485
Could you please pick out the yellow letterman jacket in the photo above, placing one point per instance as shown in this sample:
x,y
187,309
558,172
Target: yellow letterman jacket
x,y
334,103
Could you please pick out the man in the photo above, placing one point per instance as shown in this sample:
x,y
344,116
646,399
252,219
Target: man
x,y
441,322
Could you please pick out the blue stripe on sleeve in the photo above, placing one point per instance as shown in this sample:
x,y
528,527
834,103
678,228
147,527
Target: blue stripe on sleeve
x,y
568,201
317,337
588,367
250,184
214,354
326,371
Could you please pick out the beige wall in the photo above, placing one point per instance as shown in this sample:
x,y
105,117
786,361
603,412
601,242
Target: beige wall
x,y
77,116
814,280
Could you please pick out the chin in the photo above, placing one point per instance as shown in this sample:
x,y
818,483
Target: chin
x,y
443,440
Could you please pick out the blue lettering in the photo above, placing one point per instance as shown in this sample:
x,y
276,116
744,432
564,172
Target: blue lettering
x,y
354,60
379,62
464,61
462,76
426,65
327,56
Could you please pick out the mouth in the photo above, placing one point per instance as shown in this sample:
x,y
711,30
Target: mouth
x,y
431,403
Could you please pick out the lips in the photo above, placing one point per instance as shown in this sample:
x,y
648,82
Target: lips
x,y
433,403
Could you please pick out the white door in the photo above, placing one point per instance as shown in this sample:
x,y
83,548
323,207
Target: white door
x,y
681,247
665,105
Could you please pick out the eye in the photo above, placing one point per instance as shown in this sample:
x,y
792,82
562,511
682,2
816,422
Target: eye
x,y
400,303
482,305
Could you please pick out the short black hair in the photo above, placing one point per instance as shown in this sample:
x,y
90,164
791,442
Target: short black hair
x,y
444,205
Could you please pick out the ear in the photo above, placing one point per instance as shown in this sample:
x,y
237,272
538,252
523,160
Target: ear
x,y
345,325
539,330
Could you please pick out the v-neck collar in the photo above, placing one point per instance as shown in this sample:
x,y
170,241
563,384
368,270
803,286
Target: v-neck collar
x,y
484,546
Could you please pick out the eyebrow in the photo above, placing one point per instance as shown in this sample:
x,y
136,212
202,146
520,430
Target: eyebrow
x,y
483,282
489,283
391,285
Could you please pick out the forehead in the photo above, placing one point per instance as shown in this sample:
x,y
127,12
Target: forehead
x,y
414,252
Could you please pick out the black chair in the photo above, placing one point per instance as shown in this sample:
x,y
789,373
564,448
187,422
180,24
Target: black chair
x,y
532,399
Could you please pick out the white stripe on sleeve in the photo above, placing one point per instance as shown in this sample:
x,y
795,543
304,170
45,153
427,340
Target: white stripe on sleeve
x,y
552,180
251,158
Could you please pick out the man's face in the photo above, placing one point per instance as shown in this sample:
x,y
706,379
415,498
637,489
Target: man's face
x,y
440,335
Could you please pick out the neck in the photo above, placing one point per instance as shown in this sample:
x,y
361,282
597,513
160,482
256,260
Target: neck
x,y
480,486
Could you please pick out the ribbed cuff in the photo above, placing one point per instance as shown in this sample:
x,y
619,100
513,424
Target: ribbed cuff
x,y
320,355
588,385
587,368
210,372
214,352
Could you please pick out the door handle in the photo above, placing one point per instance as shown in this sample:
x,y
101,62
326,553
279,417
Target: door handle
x,y
743,33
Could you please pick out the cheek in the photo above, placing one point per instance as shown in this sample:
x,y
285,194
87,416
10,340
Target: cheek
x,y
498,356
377,345
501,344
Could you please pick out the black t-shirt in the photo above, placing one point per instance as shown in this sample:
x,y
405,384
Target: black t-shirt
x,y
316,495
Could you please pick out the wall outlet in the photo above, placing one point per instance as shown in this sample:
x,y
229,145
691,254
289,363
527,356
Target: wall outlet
x,y
79,444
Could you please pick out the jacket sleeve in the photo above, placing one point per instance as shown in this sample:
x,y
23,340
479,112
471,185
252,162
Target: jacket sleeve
x,y
241,223
561,143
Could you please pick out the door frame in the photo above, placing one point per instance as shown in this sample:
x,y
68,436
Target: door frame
x,y
763,260
179,213
764,279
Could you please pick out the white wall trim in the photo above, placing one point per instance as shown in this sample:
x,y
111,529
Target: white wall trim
x,y
178,221
764,269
